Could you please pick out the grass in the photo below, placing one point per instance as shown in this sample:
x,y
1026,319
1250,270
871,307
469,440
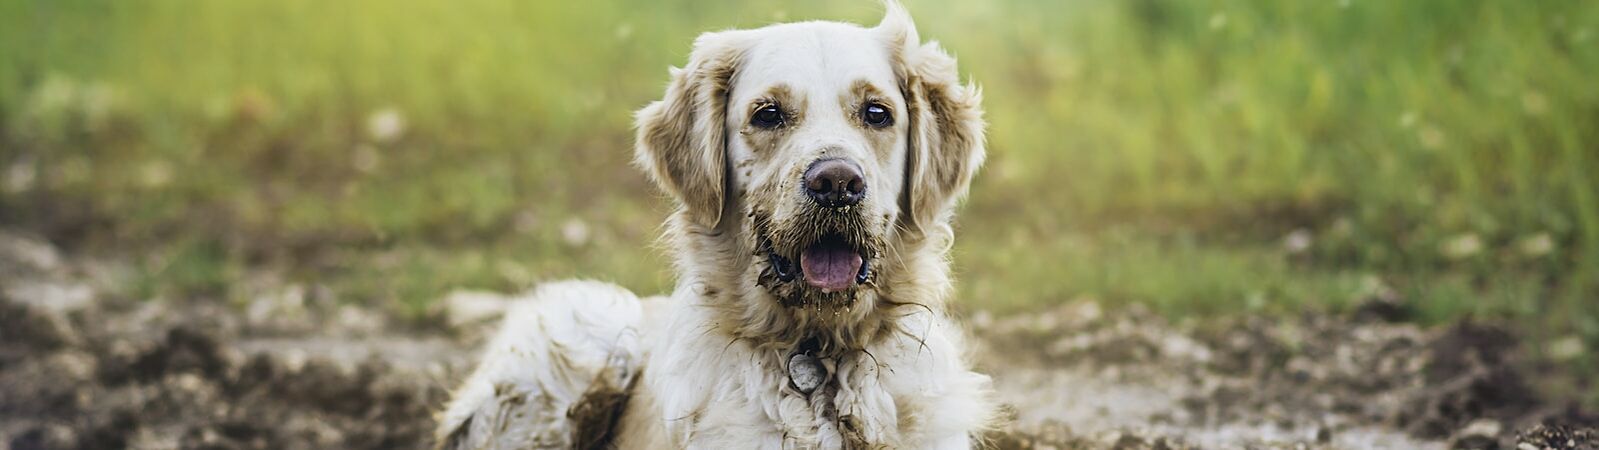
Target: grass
x,y
1146,151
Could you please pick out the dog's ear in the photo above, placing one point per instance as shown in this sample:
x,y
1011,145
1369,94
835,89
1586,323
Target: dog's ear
x,y
681,140
946,123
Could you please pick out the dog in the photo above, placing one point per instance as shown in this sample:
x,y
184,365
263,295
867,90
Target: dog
x,y
815,167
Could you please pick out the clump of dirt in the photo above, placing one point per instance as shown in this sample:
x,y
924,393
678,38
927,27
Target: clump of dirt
x,y
1558,437
1468,377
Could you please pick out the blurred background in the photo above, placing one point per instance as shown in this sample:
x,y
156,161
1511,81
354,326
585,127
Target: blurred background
x,y
1200,158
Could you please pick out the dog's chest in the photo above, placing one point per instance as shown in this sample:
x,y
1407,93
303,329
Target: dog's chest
x,y
831,403
762,405
905,391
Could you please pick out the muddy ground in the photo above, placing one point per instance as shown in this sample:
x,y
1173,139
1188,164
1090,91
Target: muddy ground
x,y
292,368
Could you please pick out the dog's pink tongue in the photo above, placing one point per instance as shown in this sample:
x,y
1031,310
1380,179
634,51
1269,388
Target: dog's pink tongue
x,y
830,267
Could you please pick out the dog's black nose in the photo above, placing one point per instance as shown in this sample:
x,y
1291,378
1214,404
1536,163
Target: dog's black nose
x,y
835,183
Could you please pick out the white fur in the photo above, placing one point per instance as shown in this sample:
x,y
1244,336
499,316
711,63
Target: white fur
x,y
550,348
711,358
705,393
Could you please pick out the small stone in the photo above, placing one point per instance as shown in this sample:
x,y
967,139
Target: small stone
x,y
385,125
1297,241
1483,427
280,309
359,321
1461,246
1536,245
1566,349
20,177
52,297
1479,434
29,253
575,232
72,366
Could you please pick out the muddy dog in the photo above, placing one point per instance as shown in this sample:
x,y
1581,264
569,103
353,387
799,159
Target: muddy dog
x,y
816,166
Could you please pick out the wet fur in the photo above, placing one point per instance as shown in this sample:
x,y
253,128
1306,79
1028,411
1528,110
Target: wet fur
x,y
708,369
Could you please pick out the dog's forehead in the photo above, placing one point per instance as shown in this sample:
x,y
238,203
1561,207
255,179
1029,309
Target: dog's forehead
x,y
819,58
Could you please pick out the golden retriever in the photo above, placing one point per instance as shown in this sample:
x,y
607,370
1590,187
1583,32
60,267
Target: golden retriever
x,y
816,166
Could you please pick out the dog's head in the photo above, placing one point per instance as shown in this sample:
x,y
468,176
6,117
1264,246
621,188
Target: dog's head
x,y
814,162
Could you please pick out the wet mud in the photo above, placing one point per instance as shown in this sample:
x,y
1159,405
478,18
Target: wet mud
x,y
292,368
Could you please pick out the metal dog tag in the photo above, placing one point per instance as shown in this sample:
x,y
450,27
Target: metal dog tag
x,y
806,372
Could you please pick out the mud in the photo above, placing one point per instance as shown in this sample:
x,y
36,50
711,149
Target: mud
x,y
116,373
293,368
1080,377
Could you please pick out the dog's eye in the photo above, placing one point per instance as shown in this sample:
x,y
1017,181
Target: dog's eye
x,y
769,116
876,115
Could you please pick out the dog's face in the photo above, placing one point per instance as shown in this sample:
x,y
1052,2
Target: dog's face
x,y
809,154
817,143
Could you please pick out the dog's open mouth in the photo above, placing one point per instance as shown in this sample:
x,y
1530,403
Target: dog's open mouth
x,y
830,264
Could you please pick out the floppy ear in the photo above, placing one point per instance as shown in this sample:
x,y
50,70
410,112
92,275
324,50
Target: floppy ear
x,y
682,138
946,123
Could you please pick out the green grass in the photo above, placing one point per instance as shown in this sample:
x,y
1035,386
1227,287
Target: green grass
x,y
1142,151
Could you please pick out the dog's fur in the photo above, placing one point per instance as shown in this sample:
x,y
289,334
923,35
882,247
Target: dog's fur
x,y
587,364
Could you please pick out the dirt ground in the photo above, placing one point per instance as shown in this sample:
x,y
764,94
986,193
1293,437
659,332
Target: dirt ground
x,y
291,368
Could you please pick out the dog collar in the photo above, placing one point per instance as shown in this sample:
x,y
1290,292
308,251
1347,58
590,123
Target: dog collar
x,y
806,372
